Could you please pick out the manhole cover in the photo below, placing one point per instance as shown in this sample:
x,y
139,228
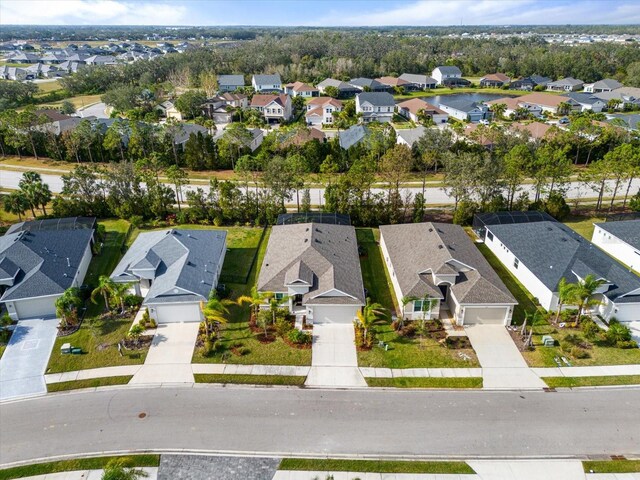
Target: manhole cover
x,y
142,415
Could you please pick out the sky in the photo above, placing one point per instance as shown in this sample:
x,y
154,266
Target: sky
x,y
319,12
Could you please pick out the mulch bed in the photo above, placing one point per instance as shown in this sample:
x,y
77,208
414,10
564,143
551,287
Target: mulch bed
x,y
143,342
268,338
69,329
299,346
517,339
455,343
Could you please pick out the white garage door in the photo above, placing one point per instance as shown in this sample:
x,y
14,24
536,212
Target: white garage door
x,y
37,307
485,315
334,314
183,312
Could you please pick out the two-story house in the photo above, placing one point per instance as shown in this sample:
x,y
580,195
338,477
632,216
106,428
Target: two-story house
x,y
444,73
320,111
375,106
267,83
273,107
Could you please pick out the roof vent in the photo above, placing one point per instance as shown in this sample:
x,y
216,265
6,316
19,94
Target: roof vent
x,y
318,241
440,246
68,262
431,229
306,240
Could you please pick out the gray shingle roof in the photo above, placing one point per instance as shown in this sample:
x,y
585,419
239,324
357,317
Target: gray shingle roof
x,y
325,254
377,99
417,78
185,263
628,231
418,249
447,70
551,251
366,82
267,79
237,80
584,98
352,136
461,105
607,83
411,135
42,257
567,81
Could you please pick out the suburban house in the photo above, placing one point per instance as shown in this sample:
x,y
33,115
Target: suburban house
x,y
375,106
627,96
315,269
168,110
352,136
421,82
300,136
549,103
216,109
300,89
529,83
621,240
320,110
397,82
235,100
409,136
536,130
368,85
540,254
344,89
514,105
39,260
266,83
273,107
435,267
55,122
230,83
465,110
604,85
441,74
494,80
588,101
410,108
174,270
568,84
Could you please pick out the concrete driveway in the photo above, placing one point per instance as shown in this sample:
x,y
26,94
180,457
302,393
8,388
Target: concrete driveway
x,y
25,359
501,361
334,362
169,357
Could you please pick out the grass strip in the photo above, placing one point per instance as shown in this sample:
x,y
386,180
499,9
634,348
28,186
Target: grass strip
x,y
374,466
88,383
612,466
571,382
78,464
249,379
426,382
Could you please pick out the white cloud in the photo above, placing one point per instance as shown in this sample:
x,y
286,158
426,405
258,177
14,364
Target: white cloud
x,y
494,12
91,12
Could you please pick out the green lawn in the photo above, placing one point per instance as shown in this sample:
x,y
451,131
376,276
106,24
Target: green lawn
x,y
612,466
2,349
430,382
450,91
106,261
237,332
89,383
583,225
250,379
374,466
571,382
48,87
374,272
78,464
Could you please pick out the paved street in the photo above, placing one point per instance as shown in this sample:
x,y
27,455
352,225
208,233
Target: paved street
x,y
315,421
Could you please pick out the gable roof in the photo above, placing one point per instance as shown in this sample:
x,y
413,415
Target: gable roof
x,y
414,105
416,250
448,70
48,260
231,80
262,100
377,99
607,83
323,255
340,85
551,251
584,98
271,79
496,77
322,101
462,105
417,78
301,136
393,81
365,82
183,264
411,135
301,87
546,99
627,230
566,81
352,136
537,130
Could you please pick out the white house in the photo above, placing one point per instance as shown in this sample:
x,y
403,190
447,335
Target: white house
x,y
320,111
168,110
314,269
39,260
588,101
266,83
443,73
375,106
273,107
174,270
435,267
540,254
604,85
568,84
621,240
300,89
465,110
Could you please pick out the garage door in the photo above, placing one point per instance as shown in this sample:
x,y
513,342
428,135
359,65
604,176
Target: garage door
x,y
184,312
37,307
485,315
334,314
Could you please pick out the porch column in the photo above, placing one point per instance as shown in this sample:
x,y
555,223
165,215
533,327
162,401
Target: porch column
x,y
137,287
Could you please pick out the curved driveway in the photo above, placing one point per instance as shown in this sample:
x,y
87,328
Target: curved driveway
x,y
325,422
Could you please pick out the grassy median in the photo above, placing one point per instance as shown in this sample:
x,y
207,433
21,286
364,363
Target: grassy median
x,y
249,379
426,382
88,383
612,466
571,382
374,466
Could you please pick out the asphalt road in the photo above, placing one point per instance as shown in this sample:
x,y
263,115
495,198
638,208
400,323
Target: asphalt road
x,y
325,422
9,179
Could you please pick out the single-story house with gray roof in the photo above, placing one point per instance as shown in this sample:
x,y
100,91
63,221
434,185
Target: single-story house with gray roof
x,y
38,265
435,267
621,240
174,270
540,254
315,269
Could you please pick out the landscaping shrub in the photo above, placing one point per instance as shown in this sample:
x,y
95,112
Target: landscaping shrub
x,y
577,352
283,327
209,348
626,344
299,337
132,301
617,333
590,329
244,351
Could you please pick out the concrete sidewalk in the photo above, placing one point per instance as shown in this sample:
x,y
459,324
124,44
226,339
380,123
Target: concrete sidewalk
x,y
370,372
528,469
595,371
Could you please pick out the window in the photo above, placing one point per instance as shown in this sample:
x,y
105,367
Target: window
x,y
516,262
490,236
279,296
417,305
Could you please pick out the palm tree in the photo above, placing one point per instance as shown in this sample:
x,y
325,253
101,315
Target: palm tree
x,y
119,292
255,299
67,305
564,108
15,203
584,292
498,110
105,287
566,293
215,311
368,315
274,303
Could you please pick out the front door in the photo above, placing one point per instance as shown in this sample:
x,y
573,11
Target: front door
x,y
297,300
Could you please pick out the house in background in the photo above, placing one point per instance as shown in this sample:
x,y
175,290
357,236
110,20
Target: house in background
x,y
439,268
421,82
320,110
267,83
352,136
568,84
168,109
621,240
494,80
369,85
397,82
230,83
300,89
529,83
216,109
273,107
315,269
588,101
536,130
409,136
375,106
548,102
540,254
465,110
344,89
39,260
604,85
513,104
174,270
445,74
410,108
235,100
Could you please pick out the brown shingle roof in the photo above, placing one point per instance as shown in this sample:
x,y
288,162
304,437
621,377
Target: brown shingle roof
x,y
416,104
262,100
392,81
322,101
537,129
546,99
496,77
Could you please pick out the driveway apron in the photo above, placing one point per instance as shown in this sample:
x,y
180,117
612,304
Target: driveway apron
x,y
334,362
169,357
25,359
